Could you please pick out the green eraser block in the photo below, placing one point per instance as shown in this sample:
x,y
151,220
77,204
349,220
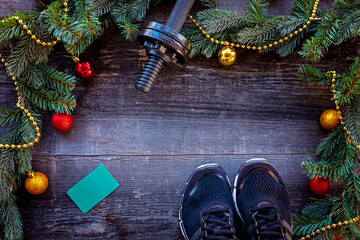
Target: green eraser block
x,y
93,188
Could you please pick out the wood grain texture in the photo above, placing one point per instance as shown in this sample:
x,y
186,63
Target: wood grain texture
x,y
9,7
195,113
146,204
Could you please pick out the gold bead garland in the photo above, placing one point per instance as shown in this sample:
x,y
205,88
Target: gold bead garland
x,y
334,225
29,32
352,139
31,118
254,47
18,104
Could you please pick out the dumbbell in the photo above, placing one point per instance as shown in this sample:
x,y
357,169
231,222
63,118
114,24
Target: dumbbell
x,y
164,44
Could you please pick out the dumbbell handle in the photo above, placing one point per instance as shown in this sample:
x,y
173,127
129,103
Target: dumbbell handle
x,y
179,13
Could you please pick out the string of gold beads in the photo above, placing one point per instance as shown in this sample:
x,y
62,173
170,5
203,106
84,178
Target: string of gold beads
x,y
65,9
328,227
28,114
347,131
226,43
29,32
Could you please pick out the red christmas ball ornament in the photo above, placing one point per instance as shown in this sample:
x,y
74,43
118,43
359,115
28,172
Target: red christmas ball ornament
x,y
319,186
84,70
62,122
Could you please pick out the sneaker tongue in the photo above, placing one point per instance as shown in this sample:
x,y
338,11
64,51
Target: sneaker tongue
x,y
268,210
215,215
216,207
216,212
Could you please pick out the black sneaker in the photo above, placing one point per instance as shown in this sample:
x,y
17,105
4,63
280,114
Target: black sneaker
x,y
262,201
207,209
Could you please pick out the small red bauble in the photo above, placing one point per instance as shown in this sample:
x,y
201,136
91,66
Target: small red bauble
x,y
319,186
84,70
62,122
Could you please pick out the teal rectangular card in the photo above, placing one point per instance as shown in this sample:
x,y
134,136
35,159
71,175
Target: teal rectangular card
x,y
93,188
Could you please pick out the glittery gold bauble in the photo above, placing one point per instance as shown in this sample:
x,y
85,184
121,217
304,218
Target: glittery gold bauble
x,y
330,119
36,182
227,56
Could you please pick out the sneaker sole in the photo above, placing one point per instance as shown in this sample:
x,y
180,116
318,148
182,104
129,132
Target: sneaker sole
x,y
247,163
201,167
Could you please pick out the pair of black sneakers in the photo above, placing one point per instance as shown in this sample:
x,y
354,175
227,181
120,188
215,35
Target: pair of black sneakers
x,y
259,197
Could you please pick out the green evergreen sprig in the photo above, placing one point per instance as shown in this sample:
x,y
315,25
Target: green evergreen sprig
x,y
254,27
338,159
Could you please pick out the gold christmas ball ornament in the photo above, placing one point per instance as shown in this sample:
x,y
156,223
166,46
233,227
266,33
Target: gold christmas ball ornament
x,y
227,56
330,119
36,182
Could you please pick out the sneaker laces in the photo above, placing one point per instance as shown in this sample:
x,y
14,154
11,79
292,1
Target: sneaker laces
x,y
267,224
216,224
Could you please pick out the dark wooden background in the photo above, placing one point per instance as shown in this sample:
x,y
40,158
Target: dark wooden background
x,y
196,113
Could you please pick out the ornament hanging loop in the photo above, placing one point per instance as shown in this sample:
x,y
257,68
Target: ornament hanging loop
x,y
74,58
164,44
31,174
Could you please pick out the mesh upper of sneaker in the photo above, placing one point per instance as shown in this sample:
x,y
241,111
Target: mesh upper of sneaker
x,y
260,185
210,188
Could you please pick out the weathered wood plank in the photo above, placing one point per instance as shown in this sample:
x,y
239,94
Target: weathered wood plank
x,y
145,206
9,7
197,108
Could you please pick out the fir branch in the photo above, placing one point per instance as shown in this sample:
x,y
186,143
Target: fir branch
x,y
355,231
351,115
289,46
10,29
58,81
101,7
89,21
331,144
7,168
303,9
349,86
126,13
28,51
218,20
314,49
130,9
258,10
207,3
24,165
311,74
7,116
304,225
47,99
260,34
349,21
336,167
351,192
33,76
200,44
322,207
66,29
128,28
10,219
285,29
339,158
